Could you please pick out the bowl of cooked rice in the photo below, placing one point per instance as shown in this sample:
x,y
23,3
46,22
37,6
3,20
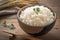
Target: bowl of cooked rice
x,y
36,20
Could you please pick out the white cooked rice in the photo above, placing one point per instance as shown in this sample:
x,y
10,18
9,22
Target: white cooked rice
x,y
44,17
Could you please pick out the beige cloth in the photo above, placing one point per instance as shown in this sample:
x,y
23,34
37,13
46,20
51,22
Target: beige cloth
x,y
10,10
7,9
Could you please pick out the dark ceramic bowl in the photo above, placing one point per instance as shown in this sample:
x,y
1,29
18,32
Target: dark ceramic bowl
x,y
35,31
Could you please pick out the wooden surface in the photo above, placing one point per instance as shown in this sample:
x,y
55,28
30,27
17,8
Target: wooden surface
x,y
54,34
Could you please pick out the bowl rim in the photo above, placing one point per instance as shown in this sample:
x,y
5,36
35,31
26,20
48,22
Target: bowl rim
x,y
18,14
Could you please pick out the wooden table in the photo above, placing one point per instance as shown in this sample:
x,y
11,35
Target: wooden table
x,y
54,34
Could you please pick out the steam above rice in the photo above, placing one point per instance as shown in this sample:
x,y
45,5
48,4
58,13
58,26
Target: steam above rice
x,y
37,16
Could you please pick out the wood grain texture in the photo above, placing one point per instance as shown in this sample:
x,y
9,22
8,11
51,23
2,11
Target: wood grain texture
x,y
54,34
